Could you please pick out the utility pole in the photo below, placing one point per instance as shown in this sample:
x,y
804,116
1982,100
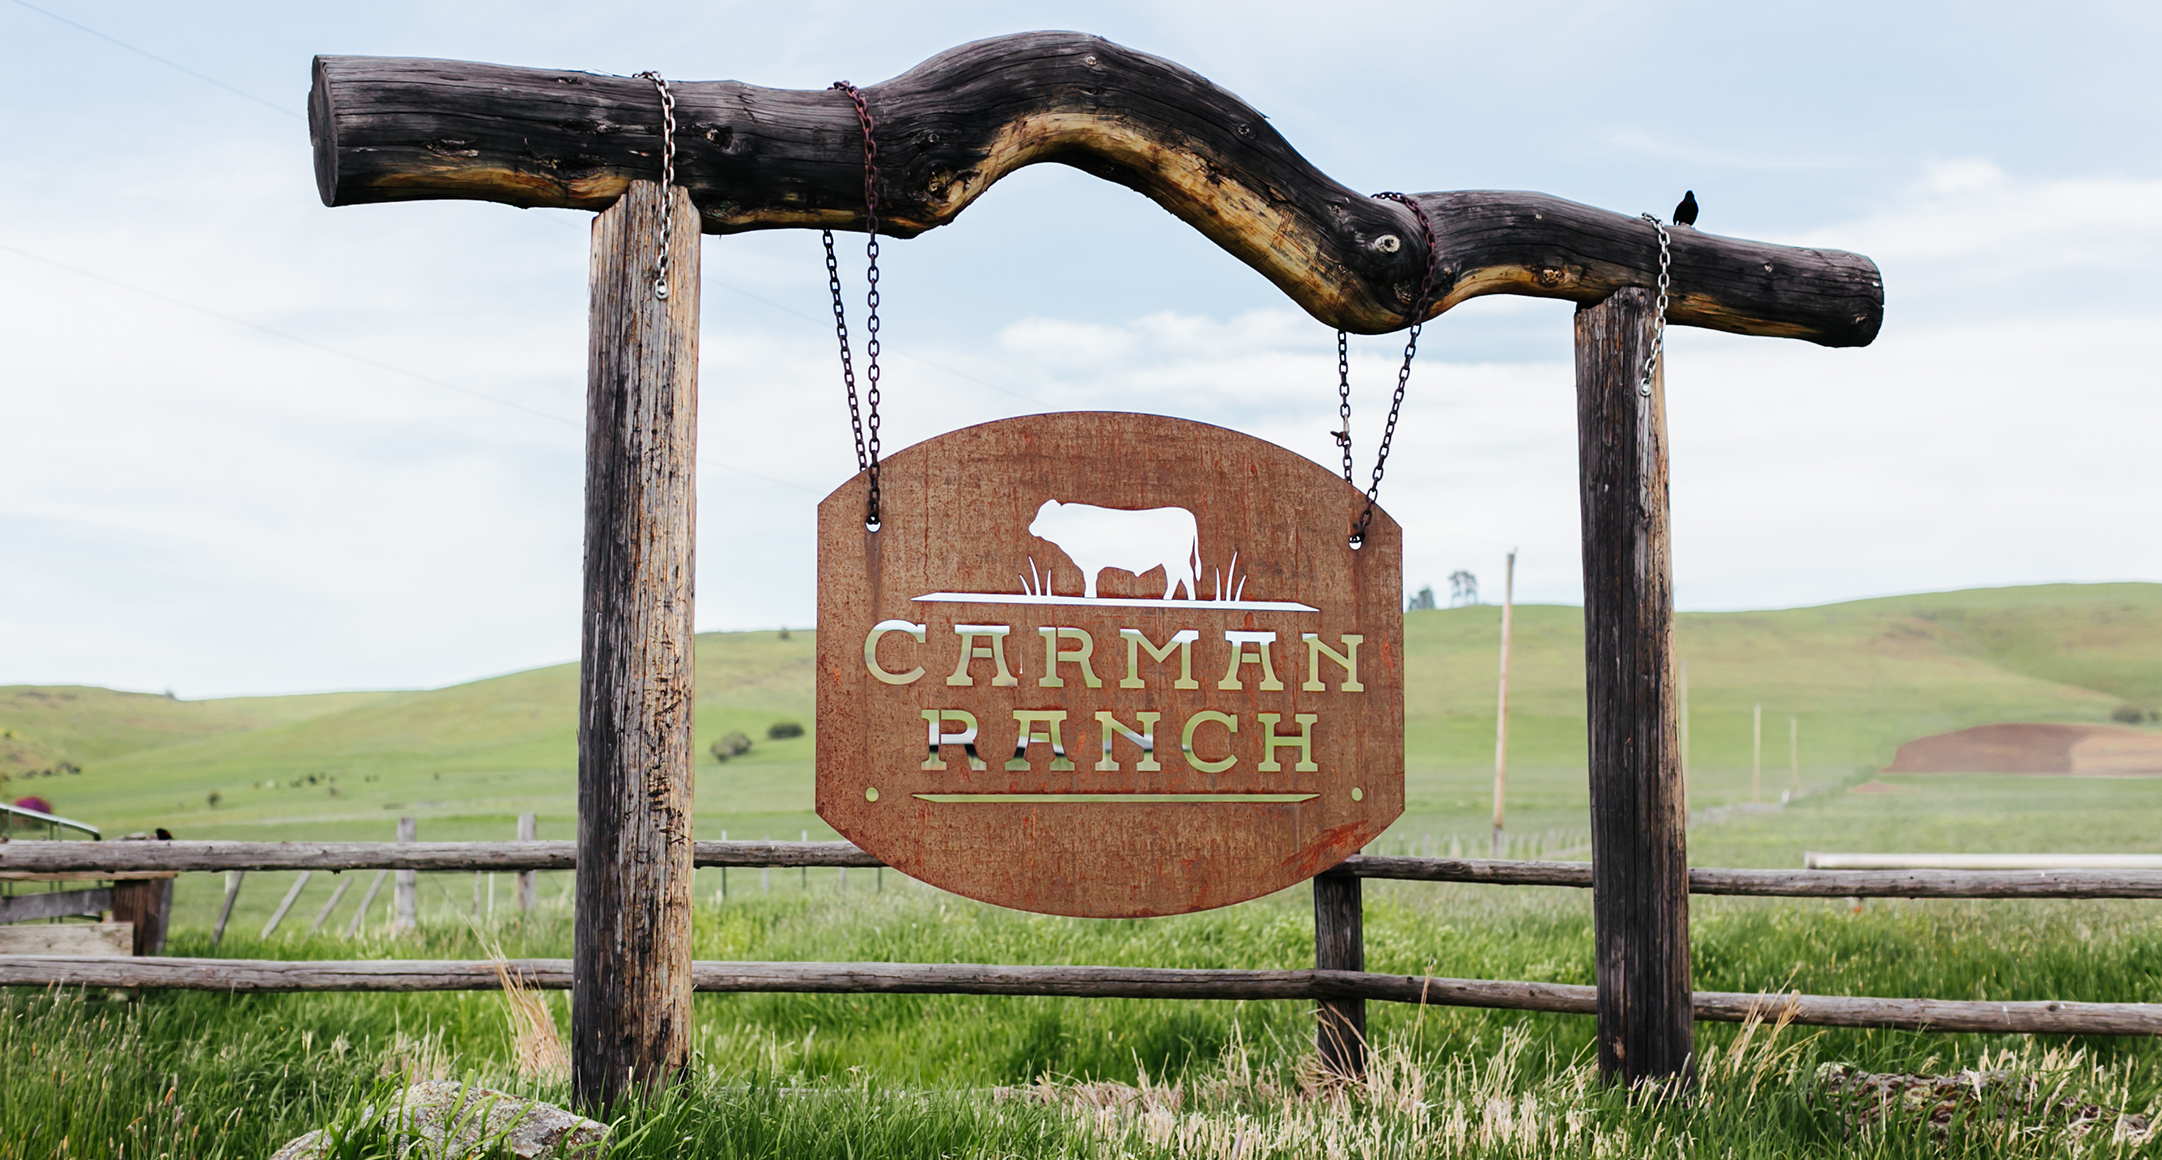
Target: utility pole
x,y
1794,754
1501,713
1756,753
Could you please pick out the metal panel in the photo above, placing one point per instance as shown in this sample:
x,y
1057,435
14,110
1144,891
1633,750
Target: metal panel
x,y
1244,757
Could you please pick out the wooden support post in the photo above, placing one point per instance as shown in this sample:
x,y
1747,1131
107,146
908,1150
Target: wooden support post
x,y
148,904
405,887
233,880
1684,714
527,879
1340,945
1640,870
631,998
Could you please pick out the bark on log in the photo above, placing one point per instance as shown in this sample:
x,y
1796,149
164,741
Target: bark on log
x,y
397,129
631,1005
2048,1017
1640,865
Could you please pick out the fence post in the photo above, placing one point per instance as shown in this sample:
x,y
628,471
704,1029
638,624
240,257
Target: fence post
x,y
631,987
148,904
1340,945
527,879
405,888
1640,867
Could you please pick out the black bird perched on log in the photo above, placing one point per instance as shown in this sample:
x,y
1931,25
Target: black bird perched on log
x,y
1685,214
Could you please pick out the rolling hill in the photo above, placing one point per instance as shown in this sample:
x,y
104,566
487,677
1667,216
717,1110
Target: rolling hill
x,y
1858,679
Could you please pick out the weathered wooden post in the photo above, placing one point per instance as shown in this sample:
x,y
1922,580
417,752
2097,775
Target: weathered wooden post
x,y
527,879
631,995
405,887
1640,867
148,904
1340,945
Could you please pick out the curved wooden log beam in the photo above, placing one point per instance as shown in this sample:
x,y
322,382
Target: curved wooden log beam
x,y
398,129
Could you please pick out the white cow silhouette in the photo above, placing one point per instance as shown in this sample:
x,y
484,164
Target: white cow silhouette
x,y
1135,541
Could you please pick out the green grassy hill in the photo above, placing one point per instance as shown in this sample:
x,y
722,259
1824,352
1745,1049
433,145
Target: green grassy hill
x,y
1858,678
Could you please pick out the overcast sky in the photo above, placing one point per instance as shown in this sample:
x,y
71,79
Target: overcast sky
x,y
249,444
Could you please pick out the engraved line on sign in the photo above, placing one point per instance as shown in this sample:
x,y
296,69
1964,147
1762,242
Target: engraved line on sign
x,y
1115,602
1091,798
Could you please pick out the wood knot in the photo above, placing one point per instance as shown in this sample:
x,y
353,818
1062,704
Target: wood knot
x,y
1388,243
1549,276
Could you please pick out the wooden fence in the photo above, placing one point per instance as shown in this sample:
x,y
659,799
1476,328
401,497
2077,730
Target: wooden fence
x,y
1338,985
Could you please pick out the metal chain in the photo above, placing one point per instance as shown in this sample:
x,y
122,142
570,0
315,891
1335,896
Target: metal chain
x,y
1659,318
668,178
866,430
1403,373
1343,400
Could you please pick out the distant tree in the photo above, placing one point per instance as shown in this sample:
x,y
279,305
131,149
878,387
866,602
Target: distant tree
x,y
214,798
1423,602
2130,714
731,744
783,730
1463,589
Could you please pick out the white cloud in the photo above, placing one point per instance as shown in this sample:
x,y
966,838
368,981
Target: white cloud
x,y
188,502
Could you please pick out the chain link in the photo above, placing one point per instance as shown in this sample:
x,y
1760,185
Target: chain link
x,y
1343,400
668,178
865,427
1403,373
1659,318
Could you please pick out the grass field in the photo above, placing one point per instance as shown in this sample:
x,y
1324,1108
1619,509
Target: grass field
x,y
909,1076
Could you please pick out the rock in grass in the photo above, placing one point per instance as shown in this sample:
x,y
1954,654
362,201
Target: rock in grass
x,y
2020,1102
453,1120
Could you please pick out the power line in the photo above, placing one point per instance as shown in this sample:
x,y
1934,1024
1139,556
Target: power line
x,y
898,355
363,360
904,356
147,54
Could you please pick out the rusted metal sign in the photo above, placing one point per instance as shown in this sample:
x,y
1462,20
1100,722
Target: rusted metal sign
x,y
1108,665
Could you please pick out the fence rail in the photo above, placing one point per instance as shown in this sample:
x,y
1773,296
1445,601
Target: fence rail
x,y
1347,989
91,858
267,975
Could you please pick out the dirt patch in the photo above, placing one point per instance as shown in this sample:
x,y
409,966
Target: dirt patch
x,y
2033,748
1872,787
